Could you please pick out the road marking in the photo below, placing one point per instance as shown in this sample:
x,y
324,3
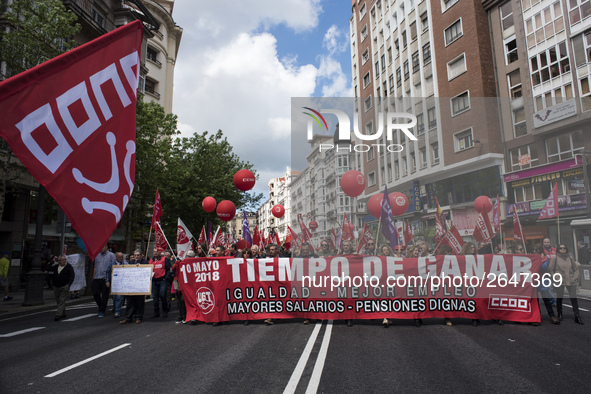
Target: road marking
x,y
319,366
582,309
299,369
80,317
12,334
51,375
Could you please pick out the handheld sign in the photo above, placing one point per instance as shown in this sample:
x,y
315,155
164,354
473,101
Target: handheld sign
x,y
132,279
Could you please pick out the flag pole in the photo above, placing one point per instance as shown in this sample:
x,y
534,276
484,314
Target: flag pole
x,y
558,223
168,243
149,237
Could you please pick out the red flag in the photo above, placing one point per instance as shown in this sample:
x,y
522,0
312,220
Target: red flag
x,y
496,219
258,239
333,239
347,230
550,209
364,238
157,212
160,239
288,238
483,230
217,239
71,122
407,233
276,240
453,238
306,234
517,229
439,230
202,238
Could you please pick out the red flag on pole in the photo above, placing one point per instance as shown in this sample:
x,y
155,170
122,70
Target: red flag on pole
x,y
364,238
483,230
202,238
71,122
550,209
333,239
496,218
347,230
306,234
517,229
160,239
453,238
157,212
288,238
407,234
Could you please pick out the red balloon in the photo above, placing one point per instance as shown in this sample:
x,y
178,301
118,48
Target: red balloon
x,y
244,180
208,204
398,203
226,210
242,244
482,204
313,225
352,183
375,205
278,210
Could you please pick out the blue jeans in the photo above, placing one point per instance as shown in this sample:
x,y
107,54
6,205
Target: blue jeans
x,y
159,293
118,303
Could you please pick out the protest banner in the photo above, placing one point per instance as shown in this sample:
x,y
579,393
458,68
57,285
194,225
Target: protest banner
x,y
132,279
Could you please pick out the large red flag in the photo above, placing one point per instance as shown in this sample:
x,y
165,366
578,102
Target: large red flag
x,y
160,239
288,238
333,239
407,234
453,238
517,229
71,122
306,234
202,238
157,212
364,238
347,230
496,217
550,209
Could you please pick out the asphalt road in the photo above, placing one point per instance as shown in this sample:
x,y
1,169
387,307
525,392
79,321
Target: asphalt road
x,y
85,353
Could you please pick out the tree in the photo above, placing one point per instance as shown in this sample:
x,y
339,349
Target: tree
x,y
39,30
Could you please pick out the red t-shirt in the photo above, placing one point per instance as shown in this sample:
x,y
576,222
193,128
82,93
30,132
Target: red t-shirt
x,y
159,267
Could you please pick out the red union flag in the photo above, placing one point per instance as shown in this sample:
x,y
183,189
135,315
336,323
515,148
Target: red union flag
x,y
364,238
453,239
160,239
71,122
483,230
550,209
183,240
517,229
157,212
202,238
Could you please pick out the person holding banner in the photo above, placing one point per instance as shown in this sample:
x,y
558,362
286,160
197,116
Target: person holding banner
x,y
117,299
470,249
201,250
161,267
386,250
63,277
135,303
565,265
325,249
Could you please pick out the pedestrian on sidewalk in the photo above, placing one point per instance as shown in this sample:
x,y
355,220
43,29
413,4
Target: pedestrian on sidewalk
x,y
565,265
4,265
63,277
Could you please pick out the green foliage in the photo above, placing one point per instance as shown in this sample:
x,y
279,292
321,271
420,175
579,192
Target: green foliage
x,y
40,30
186,170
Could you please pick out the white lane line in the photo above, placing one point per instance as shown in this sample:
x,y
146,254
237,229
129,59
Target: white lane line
x,y
582,309
51,375
12,334
80,317
299,369
584,298
317,372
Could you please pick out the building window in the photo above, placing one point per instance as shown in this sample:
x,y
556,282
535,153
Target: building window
x,y
416,62
420,124
578,10
564,146
549,63
506,16
427,53
453,32
463,140
371,179
413,31
390,55
371,154
460,104
524,157
383,63
404,40
423,156
435,154
404,166
364,33
365,56
528,193
511,50
391,79
366,80
413,162
369,128
398,77
98,18
447,4
397,46
389,172
456,67
367,103
555,96
406,70
396,170
585,93
431,117
519,125
425,21
362,11
377,70
514,82
544,24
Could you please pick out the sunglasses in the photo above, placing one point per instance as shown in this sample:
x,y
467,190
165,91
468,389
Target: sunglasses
x,y
325,246
562,247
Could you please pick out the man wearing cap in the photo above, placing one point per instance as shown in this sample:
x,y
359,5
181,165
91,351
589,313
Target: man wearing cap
x,y
161,266
100,281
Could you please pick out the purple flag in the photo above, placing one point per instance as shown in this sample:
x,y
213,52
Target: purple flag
x,y
245,230
388,225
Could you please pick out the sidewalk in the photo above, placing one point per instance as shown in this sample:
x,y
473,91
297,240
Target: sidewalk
x,y
15,306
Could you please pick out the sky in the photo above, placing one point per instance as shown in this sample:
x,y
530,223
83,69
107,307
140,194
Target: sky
x,y
241,62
